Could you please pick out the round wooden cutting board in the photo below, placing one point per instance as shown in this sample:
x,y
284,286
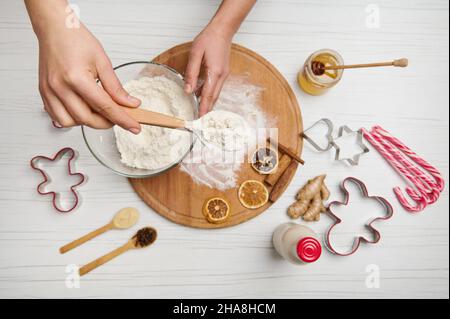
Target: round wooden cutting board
x,y
174,194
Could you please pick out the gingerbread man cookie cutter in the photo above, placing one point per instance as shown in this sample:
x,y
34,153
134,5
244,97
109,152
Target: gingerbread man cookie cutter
x,y
34,163
361,239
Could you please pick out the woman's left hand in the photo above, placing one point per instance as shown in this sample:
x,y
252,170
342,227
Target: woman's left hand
x,y
210,50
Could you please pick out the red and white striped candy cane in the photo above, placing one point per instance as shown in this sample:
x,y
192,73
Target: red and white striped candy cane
x,y
439,180
426,185
420,198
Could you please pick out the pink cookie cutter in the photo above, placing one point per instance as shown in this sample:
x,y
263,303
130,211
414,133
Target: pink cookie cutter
x,y
357,243
59,155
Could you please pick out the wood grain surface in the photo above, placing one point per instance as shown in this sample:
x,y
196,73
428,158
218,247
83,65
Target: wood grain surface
x,y
175,195
412,259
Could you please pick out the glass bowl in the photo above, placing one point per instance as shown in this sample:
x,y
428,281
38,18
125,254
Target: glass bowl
x,y
102,143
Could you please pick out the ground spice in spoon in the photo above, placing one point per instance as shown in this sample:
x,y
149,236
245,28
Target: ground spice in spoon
x,y
145,237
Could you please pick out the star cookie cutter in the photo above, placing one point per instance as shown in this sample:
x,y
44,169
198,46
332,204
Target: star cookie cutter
x,y
34,162
328,135
359,240
332,142
354,161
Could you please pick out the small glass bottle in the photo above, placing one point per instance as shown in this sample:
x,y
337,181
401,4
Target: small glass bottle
x,y
318,83
297,243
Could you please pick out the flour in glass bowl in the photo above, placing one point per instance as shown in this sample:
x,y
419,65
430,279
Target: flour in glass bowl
x,y
155,147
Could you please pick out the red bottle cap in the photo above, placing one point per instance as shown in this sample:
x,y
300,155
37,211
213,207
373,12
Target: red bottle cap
x,y
309,249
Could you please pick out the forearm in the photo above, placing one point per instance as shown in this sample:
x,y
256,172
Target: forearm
x,y
46,14
230,16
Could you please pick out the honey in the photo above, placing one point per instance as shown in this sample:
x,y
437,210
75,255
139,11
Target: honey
x,y
316,81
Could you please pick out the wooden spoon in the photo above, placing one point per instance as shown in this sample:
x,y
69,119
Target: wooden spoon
x,y
143,238
320,68
157,119
125,218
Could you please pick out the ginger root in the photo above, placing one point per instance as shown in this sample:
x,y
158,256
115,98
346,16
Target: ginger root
x,y
310,199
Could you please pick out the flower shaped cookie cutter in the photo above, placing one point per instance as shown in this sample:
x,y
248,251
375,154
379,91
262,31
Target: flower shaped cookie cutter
x,y
359,240
34,163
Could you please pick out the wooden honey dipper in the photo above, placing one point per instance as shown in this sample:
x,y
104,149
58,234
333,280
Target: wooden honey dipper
x,y
320,68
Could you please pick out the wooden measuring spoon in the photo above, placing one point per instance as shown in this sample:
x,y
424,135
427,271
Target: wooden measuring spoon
x,y
320,68
157,119
143,238
125,218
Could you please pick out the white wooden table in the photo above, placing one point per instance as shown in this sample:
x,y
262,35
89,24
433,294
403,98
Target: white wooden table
x,y
412,259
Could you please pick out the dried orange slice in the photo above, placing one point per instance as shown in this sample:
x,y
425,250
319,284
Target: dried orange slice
x,y
265,160
253,194
216,210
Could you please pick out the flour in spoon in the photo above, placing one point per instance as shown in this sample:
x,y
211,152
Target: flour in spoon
x,y
156,147
225,130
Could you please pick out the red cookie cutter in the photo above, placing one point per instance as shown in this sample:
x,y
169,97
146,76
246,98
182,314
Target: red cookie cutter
x,y
361,239
57,157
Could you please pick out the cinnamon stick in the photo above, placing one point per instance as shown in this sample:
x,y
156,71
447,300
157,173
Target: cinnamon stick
x,y
287,151
282,183
272,179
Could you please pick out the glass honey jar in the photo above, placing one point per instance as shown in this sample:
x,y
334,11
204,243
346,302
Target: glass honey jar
x,y
314,79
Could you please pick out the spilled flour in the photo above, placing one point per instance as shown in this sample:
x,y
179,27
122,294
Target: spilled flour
x,y
215,167
156,147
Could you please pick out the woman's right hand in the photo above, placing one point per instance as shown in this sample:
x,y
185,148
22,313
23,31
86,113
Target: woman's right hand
x,y
70,62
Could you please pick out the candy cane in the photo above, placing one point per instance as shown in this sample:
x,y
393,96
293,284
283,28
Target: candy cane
x,y
436,186
419,198
440,182
424,183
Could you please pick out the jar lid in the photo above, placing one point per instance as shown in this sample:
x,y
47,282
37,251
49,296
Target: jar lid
x,y
309,249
